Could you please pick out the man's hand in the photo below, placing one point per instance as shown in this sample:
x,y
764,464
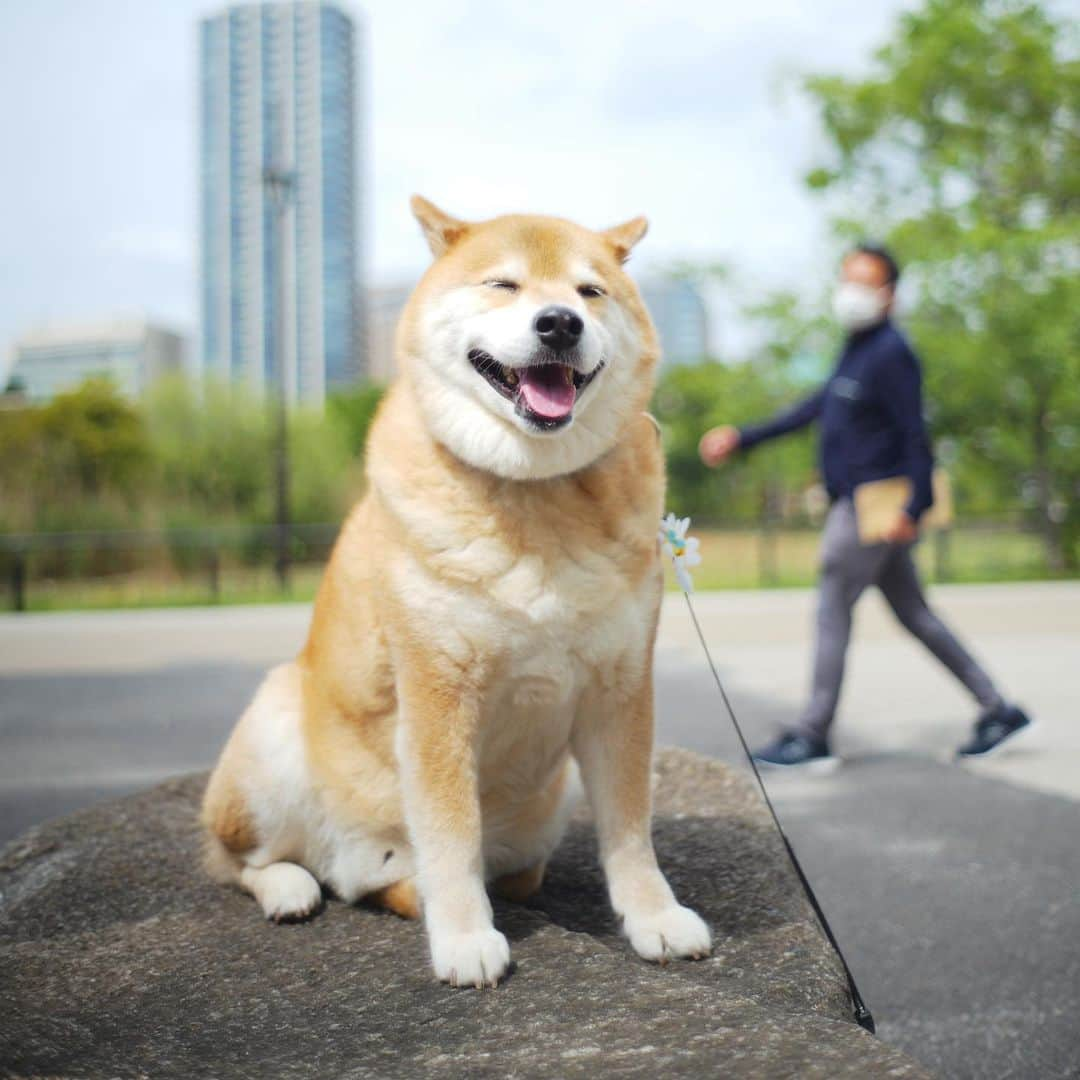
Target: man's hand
x,y
717,444
905,530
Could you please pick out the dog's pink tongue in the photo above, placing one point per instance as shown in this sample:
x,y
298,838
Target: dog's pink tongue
x,y
548,390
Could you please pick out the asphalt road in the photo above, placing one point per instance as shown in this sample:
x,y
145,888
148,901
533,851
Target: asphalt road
x,y
954,891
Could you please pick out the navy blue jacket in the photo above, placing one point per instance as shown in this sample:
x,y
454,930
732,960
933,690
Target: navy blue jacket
x,y
871,418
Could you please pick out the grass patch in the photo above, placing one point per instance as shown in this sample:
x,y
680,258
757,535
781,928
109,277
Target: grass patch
x,y
145,590
751,559
732,559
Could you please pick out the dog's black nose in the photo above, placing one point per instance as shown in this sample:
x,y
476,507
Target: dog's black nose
x,y
558,327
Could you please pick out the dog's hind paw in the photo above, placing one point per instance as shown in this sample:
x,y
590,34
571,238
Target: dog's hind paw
x,y
671,933
478,958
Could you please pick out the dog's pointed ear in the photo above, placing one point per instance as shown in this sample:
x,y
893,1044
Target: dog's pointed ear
x,y
623,237
441,230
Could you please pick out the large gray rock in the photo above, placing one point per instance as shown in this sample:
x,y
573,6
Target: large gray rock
x,y
119,958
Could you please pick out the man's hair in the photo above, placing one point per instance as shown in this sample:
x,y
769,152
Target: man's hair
x,y
879,251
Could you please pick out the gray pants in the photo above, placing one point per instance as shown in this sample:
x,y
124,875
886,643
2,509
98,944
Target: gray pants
x,y
847,568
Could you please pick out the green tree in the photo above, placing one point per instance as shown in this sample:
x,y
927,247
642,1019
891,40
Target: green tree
x,y
962,148
327,474
213,450
83,460
212,453
690,399
354,409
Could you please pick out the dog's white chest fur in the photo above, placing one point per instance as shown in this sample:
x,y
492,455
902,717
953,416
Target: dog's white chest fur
x,y
554,623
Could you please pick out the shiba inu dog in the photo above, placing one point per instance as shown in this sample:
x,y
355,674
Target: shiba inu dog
x,y
484,631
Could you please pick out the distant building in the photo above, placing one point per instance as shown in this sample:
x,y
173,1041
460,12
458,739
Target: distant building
x,y
384,307
130,352
679,312
278,85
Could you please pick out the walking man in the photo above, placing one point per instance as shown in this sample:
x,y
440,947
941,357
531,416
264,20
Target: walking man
x,y
870,410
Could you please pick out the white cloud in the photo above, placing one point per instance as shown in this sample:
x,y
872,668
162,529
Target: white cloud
x,y
155,243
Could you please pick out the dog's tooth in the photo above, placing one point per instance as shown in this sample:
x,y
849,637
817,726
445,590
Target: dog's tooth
x,y
568,375
511,377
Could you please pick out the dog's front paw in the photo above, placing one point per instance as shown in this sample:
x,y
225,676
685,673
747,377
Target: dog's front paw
x,y
285,891
475,958
674,931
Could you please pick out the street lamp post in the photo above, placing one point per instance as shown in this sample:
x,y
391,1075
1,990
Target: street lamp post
x,y
279,183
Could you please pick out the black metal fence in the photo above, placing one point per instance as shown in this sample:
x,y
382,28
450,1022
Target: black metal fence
x,y
189,552
242,562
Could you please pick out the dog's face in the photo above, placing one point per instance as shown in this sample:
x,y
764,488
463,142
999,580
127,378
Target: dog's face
x,y
526,344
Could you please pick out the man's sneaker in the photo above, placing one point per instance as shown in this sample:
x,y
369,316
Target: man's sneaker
x,y
993,729
791,751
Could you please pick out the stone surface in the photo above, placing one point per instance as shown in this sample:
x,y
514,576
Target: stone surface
x,y
119,958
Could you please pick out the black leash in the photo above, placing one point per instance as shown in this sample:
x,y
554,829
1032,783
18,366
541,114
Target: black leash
x,y
862,1014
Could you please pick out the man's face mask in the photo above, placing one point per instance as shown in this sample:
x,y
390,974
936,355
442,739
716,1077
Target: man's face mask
x,y
858,306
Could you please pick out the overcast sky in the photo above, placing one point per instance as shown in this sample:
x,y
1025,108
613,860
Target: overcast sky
x,y
597,111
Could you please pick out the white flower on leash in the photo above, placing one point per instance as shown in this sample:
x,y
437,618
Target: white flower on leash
x,y
680,548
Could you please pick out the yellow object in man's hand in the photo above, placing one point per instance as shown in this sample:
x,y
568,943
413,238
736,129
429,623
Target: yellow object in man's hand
x,y
879,504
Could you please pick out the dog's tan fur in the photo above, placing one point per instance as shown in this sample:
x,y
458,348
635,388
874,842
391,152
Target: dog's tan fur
x,y
484,629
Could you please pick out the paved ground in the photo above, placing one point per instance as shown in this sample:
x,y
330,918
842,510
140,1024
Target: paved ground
x,y
953,889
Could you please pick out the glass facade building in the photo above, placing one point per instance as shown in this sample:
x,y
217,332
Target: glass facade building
x,y
681,318
278,88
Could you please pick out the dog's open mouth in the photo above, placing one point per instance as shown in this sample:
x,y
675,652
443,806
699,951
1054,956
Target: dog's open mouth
x,y
543,393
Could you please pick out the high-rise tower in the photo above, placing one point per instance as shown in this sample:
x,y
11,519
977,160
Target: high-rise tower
x,y
278,88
